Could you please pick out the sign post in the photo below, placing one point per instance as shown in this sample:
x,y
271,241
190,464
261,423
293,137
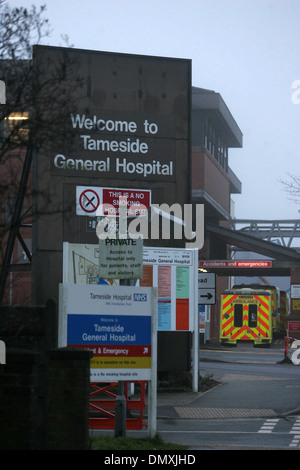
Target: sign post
x,y
118,324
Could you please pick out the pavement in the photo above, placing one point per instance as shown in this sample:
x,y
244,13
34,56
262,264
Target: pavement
x,y
237,396
173,404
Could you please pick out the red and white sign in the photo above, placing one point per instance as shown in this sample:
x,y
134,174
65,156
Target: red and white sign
x,y
234,264
97,201
294,326
138,201
88,200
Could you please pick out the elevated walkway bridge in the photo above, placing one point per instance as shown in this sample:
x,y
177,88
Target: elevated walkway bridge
x,y
278,240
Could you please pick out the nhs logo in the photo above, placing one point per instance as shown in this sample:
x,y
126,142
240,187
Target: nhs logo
x,y
140,297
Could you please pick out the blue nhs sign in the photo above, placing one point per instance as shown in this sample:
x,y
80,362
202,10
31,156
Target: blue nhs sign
x,y
140,297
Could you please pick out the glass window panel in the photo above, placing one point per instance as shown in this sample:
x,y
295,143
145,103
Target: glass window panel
x,y
238,315
252,316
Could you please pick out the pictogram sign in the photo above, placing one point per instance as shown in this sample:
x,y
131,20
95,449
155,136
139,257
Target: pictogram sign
x,y
88,199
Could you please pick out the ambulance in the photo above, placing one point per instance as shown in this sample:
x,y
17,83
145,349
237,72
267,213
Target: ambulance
x,y
246,315
275,293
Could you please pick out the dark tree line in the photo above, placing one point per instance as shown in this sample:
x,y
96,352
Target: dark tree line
x,y
37,101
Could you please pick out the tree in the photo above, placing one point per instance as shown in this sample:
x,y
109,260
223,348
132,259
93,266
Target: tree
x,y
292,187
23,129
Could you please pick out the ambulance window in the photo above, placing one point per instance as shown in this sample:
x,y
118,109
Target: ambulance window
x,y
252,316
238,315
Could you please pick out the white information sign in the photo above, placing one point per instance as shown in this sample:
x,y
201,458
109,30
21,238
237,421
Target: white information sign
x,y
174,272
117,324
206,288
295,291
121,258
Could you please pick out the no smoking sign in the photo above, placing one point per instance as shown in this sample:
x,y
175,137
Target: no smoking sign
x,y
88,199
96,201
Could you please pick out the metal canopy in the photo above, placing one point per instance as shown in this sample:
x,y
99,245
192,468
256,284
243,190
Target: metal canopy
x,y
283,258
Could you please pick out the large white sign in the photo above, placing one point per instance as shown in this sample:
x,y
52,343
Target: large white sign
x,y
117,324
174,271
124,147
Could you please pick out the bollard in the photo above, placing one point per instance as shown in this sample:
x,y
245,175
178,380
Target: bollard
x,y
120,412
286,346
286,351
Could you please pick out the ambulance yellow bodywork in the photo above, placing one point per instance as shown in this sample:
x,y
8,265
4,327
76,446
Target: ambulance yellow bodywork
x,y
246,315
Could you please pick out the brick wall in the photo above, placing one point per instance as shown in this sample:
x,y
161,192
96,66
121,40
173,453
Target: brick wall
x,y
44,391
21,403
68,399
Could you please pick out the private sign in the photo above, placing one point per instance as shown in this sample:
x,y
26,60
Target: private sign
x,y
121,258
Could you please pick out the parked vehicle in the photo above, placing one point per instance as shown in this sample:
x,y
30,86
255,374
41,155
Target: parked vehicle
x,y
284,311
275,303
246,315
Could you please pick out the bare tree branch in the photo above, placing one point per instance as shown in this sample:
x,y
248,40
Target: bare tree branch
x,y
22,126
292,187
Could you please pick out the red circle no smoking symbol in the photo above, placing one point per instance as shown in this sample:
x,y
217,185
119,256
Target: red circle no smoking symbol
x,y
89,200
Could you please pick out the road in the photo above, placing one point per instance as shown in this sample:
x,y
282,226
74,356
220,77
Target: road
x,y
257,405
234,434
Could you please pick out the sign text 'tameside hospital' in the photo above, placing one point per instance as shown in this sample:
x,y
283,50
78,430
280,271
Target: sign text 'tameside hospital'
x,y
123,148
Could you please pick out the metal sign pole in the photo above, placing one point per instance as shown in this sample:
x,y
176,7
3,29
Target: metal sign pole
x,y
120,411
120,404
196,325
152,425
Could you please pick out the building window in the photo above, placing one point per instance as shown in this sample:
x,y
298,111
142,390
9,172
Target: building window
x,y
252,316
215,144
16,127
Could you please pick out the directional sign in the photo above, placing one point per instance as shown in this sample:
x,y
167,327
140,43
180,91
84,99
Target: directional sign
x,y
206,280
206,288
235,264
88,199
206,296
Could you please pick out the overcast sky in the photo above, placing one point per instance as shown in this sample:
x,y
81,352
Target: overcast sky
x,y
246,50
